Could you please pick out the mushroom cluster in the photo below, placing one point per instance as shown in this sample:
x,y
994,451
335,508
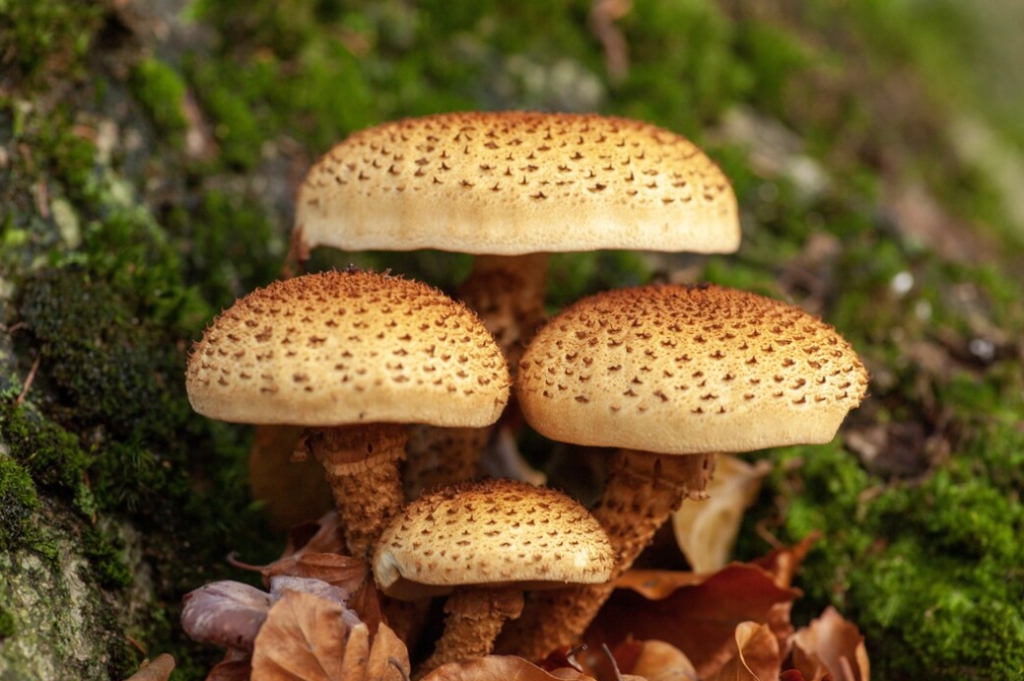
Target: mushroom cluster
x,y
667,375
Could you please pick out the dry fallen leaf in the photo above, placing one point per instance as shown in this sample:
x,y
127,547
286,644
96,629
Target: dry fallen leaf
x,y
696,613
236,666
706,531
831,645
660,661
305,638
388,660
158,670
225,613
783,563
756,656
501,668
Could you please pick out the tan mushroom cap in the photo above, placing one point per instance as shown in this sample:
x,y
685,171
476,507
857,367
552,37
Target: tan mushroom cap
x,y
688,370
343,348
513,183
491,533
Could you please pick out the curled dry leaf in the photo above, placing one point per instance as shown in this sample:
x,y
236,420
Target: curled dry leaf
x,y
236,666
696,613
305,638
831,645
782,563
660,661
756,655
158,670
225,613
706,531
501,668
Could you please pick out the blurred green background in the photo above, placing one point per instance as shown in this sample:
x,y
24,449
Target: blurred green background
x,y
150,151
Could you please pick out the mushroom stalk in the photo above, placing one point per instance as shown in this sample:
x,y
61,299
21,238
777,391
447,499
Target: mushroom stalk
x,y
474,618
642,491
361,465
507,293
441,456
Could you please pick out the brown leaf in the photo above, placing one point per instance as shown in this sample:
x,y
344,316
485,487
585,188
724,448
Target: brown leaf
x,y
831,645
706,531
756,656
323,536
357,653
344,572
660,661
696,613
303,639
232,668
389,658
783,563
158,670
501,668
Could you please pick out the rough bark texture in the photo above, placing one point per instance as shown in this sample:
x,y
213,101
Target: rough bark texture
x,y
474,618
441,456
361,464
643,489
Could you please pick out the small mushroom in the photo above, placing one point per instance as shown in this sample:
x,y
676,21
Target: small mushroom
x,y
664,371
350,356
512,187
484,543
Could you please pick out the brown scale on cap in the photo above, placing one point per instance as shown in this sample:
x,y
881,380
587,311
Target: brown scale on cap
x,y
661,371
494,532
511,183
677,369
485,542
348,347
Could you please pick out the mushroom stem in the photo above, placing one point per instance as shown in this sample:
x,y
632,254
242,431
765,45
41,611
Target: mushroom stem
x,y
642,491
474,618
507,293
361,464
441,456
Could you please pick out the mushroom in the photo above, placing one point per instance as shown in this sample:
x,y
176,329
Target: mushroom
x,y
484,543
512,187
663,371
350,356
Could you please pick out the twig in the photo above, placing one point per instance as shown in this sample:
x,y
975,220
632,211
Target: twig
x,y
603,16
28,381
611,658
233,561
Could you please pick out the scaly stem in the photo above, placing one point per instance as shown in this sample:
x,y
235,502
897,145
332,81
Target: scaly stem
x,y
441,456
473,619
361,464
643,490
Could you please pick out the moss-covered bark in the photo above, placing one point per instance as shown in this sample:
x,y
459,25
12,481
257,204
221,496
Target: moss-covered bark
x,y
147,168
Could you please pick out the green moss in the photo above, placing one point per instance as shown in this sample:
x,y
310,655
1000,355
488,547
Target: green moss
x,y
51,454
18,501
8,627
44,38
105,554
160,89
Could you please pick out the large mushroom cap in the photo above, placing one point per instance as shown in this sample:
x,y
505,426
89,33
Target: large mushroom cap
x,y
344,348
513,183
688,370
493,533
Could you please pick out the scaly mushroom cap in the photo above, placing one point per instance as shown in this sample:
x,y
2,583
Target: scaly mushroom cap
x,y
688,370
493,533
513,183
343,348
